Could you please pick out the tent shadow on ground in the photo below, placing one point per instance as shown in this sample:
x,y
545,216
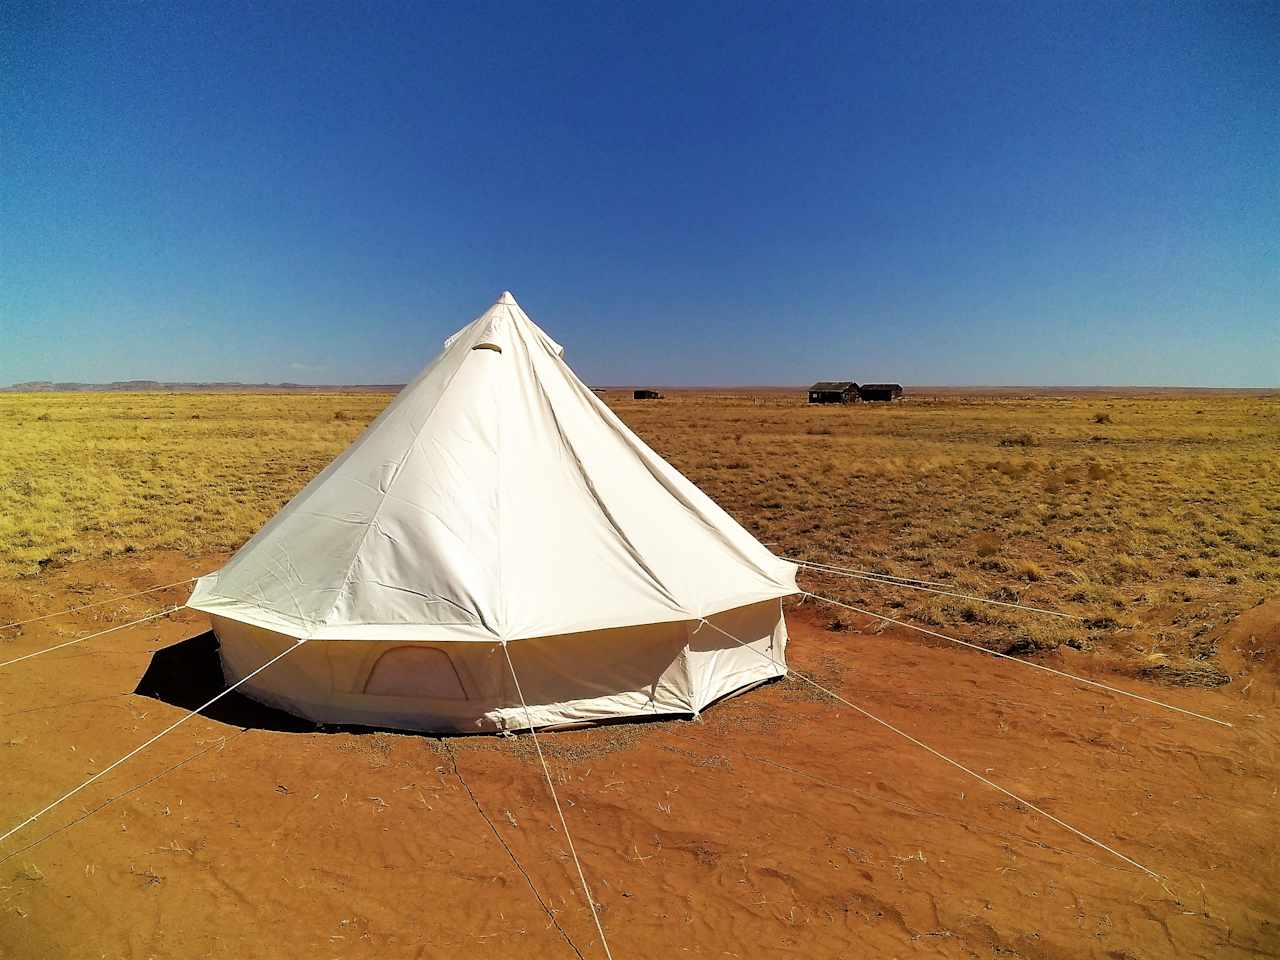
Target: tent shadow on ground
x,y
188,674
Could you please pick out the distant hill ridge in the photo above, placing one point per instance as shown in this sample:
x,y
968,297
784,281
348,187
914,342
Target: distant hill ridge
x,y
159,386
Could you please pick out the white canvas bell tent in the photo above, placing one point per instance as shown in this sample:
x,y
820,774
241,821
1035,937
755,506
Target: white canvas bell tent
x,y
498,501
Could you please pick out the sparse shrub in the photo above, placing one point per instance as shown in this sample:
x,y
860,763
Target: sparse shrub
x,y
1074,474
1026,570
986,545
1125,567
1074,549
1020,440
1015,469
1019,646
932,612
1101,418
340,415
1005,594
1183,674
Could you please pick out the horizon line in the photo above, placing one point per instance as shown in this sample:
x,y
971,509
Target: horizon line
x,y
148,385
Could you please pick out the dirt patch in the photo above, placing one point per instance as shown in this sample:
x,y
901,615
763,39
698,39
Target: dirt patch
x,y
776,825
1250,644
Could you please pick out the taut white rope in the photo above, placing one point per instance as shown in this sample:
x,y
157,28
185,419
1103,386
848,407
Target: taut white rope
x,y
100,633
866,573
546,771
1028,663
551,914
837,572
98,603
941,756
138,749
119,796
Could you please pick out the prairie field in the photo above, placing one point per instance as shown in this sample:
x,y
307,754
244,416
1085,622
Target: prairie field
x,y
778,823
1155,516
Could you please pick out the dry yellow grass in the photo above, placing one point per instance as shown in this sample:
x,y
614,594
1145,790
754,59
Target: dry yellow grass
x,y
96,475
1156,515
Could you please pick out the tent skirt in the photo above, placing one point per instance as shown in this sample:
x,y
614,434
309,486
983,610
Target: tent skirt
x,y
465,686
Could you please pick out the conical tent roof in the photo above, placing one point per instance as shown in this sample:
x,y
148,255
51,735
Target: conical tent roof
x,y
496,498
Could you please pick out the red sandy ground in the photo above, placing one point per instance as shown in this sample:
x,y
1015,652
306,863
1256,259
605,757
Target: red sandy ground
x,y
780,824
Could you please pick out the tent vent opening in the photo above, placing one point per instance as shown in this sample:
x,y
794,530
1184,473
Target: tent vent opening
x,y
488,346
424,672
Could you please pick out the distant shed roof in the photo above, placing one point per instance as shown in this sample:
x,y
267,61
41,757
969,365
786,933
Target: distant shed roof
x,y
833,385
882,386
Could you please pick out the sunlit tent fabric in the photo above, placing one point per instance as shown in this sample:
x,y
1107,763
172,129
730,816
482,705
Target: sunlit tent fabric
x,y
497,498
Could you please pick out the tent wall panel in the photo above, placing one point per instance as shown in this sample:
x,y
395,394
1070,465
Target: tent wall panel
x,y
719,666
653,670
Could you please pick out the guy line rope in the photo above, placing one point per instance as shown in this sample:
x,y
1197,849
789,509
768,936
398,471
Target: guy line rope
x,y
138,749
98,603
134,752
941,756
220,744
551,914
887,577
187,716
100,633
876,578
1005,656
528,715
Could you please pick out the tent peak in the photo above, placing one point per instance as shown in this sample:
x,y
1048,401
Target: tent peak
x,y
507,298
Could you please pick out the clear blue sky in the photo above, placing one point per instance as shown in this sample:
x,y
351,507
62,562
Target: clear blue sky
x,y
1014,193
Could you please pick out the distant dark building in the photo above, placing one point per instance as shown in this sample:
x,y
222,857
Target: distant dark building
x,y
881,391
834,391
647,395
